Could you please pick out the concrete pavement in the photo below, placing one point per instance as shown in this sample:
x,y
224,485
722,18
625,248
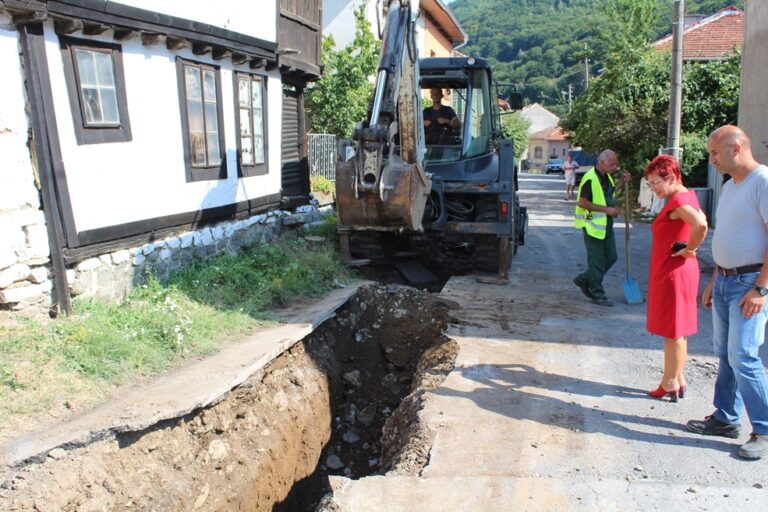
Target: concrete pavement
x,y
546,408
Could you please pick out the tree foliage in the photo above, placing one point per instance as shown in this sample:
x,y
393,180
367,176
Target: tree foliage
x,y
627,107
340,98
540,45
515,128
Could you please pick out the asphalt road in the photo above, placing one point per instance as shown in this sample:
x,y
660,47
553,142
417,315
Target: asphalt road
x,y
547,408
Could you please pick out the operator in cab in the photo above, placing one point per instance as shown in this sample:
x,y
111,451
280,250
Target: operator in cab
x,y
440,121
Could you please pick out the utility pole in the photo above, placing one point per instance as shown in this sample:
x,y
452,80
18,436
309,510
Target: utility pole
x,y
586,68
676,83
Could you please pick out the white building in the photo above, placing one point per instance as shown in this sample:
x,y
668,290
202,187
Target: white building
x,y
124,125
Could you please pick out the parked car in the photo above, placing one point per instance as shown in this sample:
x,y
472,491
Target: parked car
x,y
554,165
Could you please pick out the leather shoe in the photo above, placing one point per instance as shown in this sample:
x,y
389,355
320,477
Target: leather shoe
x,y
711,426
583,287
755,448
602,302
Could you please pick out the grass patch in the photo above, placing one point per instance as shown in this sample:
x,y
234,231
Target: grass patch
x,y
328,229
77,359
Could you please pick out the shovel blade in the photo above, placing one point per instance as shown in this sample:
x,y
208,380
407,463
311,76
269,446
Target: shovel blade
x,y
632,291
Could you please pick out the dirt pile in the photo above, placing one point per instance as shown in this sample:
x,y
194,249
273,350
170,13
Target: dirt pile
x,y
324,401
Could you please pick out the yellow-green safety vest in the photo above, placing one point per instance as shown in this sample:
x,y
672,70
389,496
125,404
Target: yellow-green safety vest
x,y
596,223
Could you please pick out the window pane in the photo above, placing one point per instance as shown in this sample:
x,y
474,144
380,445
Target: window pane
x,y
244,92
211,118
109,105
197,148
192,81
258,122
210,85
213,149
195,116
85,68
258,149
247,150
104,70
92,106
245,122
256,100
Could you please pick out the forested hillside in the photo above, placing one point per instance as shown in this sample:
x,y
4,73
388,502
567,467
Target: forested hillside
x,y
539,46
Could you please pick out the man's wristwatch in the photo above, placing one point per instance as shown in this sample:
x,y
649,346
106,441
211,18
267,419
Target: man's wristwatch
x,y
761,290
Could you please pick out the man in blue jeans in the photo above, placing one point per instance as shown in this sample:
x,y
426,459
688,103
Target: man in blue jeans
x,y
737,293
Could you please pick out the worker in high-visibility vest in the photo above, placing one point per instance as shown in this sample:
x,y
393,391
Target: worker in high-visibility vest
x,y
594,216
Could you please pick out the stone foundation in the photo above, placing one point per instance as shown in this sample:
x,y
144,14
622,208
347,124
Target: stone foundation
x,y
25,284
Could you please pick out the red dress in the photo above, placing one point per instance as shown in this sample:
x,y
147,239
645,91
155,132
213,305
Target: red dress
x,y
673,283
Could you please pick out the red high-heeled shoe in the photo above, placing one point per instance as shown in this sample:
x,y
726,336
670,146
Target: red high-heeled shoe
x,y
661,393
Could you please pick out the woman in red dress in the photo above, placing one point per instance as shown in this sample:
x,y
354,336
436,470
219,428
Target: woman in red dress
x,y
673,283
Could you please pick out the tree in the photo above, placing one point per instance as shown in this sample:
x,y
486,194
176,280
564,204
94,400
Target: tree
x,y
340,98
627,107
515,128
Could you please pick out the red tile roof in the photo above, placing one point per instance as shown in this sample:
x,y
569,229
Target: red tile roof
x,y
551,133
711,38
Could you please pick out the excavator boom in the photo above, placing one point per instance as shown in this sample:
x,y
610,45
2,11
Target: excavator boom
x,y
384,186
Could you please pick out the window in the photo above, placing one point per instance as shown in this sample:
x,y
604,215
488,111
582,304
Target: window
x,y
537,153
96,86
251,120
202,120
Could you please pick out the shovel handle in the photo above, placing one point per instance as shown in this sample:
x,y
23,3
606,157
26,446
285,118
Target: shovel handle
x,y
626,222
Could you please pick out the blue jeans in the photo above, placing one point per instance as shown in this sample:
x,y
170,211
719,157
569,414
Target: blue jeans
x,y
741,381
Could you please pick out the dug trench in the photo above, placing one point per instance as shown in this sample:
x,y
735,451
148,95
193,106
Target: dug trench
x,y
343,401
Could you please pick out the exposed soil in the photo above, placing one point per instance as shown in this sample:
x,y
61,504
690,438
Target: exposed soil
x,y
269,444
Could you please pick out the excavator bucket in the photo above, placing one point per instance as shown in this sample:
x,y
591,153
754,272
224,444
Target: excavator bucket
x,y
396,203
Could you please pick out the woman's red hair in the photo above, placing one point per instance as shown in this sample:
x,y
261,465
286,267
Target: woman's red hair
x,y
663,166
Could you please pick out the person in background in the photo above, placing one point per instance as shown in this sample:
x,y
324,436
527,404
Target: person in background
x,y
569,167
673,280
594,216
737,293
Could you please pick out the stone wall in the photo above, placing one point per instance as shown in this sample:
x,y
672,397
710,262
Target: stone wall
x,y
25,265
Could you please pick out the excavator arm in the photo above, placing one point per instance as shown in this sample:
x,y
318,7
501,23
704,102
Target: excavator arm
x,y
384,186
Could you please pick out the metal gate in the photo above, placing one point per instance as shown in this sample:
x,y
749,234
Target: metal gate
x,y
322,155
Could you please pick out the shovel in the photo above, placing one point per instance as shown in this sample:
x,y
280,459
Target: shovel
x,y
631,287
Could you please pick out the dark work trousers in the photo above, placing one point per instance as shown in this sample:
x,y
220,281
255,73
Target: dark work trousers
x,y
601,255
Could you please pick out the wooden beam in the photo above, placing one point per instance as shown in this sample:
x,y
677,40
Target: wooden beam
x,y
200,48
257,63
25,18
239,58
220,53
175,43
67,26
150,38
271,66
94,29
121,34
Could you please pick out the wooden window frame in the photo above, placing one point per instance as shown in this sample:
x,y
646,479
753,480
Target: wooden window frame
x,y
85,134
255,169
193,172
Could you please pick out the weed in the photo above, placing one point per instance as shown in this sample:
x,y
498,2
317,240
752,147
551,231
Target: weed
x,y
77,359
319,183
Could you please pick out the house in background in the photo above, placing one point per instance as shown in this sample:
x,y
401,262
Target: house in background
x,y
438,32
711,38
540,119
547,143
137,135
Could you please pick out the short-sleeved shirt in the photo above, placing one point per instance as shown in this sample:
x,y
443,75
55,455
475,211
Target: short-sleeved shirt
x,y
742,214
431,114
586,191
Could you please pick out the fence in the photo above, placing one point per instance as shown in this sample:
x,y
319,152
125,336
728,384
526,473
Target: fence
x,y
322,155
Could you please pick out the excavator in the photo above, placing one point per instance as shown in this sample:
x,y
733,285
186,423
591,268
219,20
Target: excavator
x,y
449,199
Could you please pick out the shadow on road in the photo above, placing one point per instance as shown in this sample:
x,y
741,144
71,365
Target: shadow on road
x,y
510,390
